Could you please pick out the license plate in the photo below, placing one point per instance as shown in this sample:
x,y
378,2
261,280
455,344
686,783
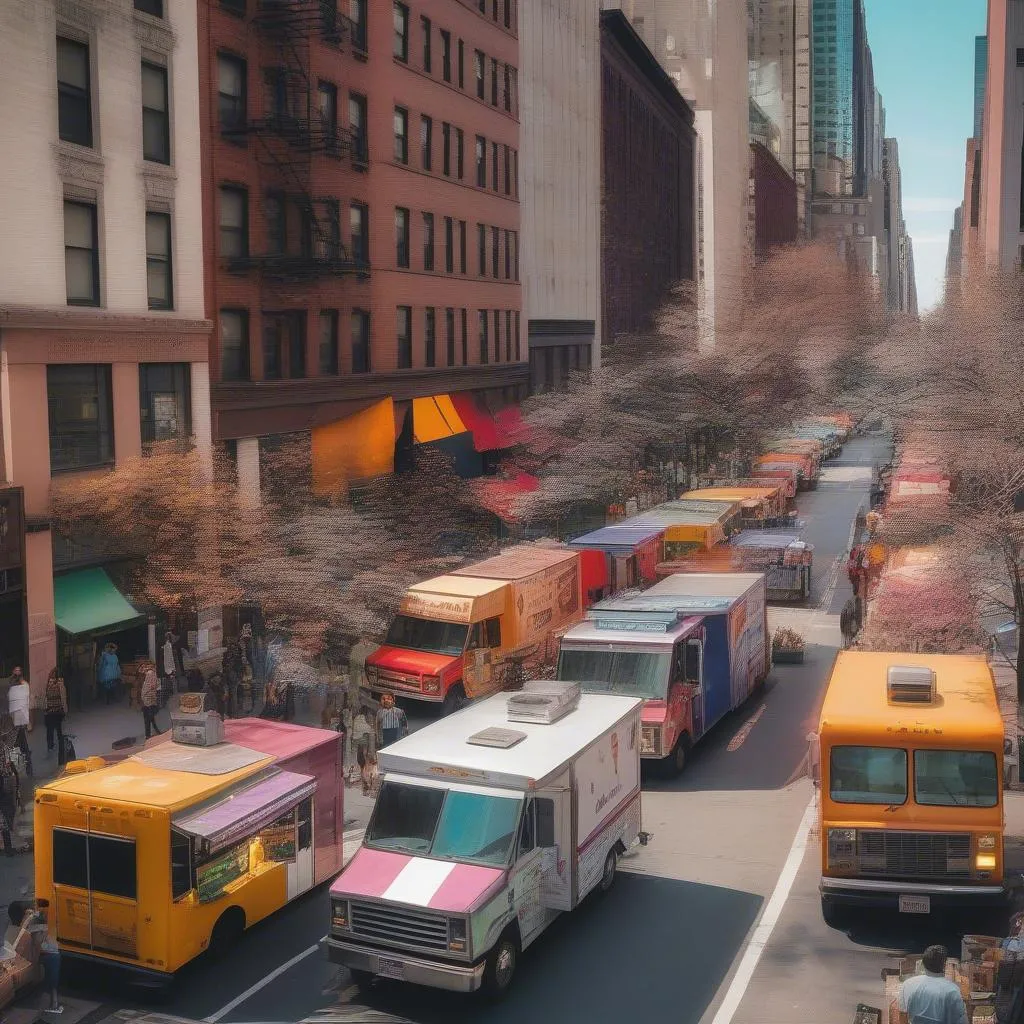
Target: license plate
x,y
391,968
915,905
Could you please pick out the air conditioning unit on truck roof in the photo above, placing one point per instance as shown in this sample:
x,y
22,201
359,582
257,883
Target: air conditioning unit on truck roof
x,y
910,684
543,701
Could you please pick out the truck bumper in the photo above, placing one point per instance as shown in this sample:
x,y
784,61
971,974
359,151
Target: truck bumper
x,y
451,977
133,975
881,894
401,691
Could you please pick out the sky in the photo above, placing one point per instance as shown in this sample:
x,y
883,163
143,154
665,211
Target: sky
x,y
923,53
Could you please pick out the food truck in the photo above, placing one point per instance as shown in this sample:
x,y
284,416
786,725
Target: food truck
x,y
182,846
690,525
806,465
488,825
909,759
760,506
693,647
630,555
454,634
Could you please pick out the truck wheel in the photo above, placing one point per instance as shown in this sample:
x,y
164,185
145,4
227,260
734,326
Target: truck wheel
x,y
501,966
226,932
454,699
608,874
675,763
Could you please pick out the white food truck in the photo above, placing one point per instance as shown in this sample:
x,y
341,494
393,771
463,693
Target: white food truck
x,y
489,824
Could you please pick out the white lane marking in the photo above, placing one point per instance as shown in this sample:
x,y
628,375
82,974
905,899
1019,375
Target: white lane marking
x,y
769,919
744,731
261,984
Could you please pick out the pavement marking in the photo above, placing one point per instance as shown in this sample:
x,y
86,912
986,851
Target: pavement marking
x,y
769,919
737,741
261,984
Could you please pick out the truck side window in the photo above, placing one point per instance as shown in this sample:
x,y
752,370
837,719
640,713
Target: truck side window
x,y
493,632
545,822
692,670
476,637
528,832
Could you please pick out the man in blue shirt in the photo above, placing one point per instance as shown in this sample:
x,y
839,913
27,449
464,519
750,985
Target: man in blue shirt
x,y
931,998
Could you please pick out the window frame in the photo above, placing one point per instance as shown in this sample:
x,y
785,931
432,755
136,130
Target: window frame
x,y
496,253
330,366
430,336
480,154
446,147
142,6
93,250
362,347
360,253
884,800
494,81
164,115
70,95
462,64
400,125
464,335
104,431
328,124
182,391
460,145
449,245
449,335
483,320
427,142
480,73
400,23
446,55
403,339
244,346
154,260
462,247
402,239
427,28
242,100
497,335
289,343
494,166
428,241
481,242
508,170
357,101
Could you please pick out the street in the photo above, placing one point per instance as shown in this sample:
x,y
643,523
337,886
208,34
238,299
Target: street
x,y
675,932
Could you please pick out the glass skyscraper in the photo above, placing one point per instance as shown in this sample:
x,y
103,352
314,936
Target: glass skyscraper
x,y
980,74
834,99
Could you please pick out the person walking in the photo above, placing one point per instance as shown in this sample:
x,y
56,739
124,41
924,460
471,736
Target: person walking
x,y
848,623
109,673
19,702
150,700
10,801
931,998
170,662
362,738
55,707
392,723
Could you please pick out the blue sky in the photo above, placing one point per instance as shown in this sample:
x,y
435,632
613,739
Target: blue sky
x,y
923,54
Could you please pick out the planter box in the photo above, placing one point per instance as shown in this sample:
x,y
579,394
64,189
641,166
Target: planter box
x,y
787,656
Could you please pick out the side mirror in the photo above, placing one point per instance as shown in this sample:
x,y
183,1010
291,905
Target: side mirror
x,y
814,759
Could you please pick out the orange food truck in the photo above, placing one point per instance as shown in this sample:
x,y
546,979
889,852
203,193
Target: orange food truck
x,y
180,847
759,505
806,465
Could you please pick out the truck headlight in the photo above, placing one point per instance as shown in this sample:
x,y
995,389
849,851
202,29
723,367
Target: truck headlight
x,y
431,684
457,935
987,842
842,847
985,862
339,914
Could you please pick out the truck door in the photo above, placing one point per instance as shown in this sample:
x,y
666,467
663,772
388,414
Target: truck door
x,y
554,837
693,671
526,877
479,677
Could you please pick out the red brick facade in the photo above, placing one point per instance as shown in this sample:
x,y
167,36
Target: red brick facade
x,y
775,202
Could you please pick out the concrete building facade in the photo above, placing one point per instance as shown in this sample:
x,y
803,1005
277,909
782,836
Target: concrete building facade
x,y
560,186
103,338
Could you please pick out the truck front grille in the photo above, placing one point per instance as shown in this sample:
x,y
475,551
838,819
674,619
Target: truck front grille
x,y
394,681
386,924
914,854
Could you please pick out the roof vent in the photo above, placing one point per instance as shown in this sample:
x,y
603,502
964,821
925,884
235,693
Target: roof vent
x,y
910,684
543,701
503,739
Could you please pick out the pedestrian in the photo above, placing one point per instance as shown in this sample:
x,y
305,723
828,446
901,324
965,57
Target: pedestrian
x,y
392,724
363,737
109,673
852,565
931,998
10,800
19,701
55,707
170,662
49,957
150,700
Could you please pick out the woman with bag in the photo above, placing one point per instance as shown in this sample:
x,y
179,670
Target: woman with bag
x,y
55,707
109,672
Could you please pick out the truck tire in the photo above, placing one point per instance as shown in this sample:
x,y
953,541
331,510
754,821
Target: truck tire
x,y
501,965
226,932
454,699
611,863
676,762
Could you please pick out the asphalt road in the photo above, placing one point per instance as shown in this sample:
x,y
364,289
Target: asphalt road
x,y
673,936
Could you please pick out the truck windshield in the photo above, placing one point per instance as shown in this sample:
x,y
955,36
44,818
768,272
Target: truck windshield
x,y
427,635
636,673
956,778
868,775
459,826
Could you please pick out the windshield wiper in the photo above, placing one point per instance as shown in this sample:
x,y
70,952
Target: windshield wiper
x,y
950,794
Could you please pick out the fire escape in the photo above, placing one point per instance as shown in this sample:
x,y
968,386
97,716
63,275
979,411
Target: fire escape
x,y
295,131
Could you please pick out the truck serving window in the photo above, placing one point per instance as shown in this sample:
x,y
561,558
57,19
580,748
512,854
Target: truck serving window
x,y
956,778
635,673
448,825
427,635
868,775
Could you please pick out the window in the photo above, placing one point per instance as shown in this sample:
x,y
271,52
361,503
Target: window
x,y
401,236
165,401
156,120
401,20
507,5
956,778
428,241
446,149
403,330
478,72
508,335
81,416
528,830
357,127
508,255
357,27
449,335
159,266
181,864
507,93
154,7
401,135
868,775
462,247
328,342
81,254
446,55
74,92
430,336
518,357
427,32
494,82
274,216
234,344
284,346
1020,57
427,141
359,227
231,92
449,245
514,97
104,864
481,243
483,322
328,235
515,173
459,148
464,334
515,255
495,252
481,161
497,335
462,64
327,106
508,171
494,166
360,330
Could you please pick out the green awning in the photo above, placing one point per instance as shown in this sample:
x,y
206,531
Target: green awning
x,y
87,601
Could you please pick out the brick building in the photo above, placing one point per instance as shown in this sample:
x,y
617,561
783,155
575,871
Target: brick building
x,y
361,209
775,214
